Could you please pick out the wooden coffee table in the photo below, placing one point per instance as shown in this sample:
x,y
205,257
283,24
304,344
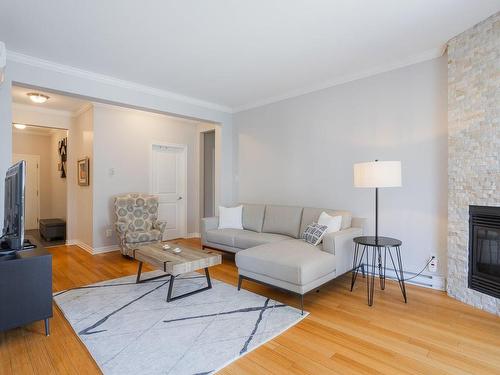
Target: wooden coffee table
x,y
174,264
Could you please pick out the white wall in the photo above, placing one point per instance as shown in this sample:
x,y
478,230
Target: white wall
x,y
80,198
37,144
122,141
5,136
301,151
34,115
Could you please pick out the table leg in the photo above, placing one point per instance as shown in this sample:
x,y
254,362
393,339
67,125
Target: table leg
x,y
399,271
356,264
381,267
171,287
47,327
139,270
400,262
370,280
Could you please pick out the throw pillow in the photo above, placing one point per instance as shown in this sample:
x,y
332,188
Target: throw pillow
x,y
334,223
230,217
314,233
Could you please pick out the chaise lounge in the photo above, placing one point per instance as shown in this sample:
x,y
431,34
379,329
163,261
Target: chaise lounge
x,y
269,249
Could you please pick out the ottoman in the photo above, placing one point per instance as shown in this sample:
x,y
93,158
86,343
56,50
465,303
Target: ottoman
x,y
51,229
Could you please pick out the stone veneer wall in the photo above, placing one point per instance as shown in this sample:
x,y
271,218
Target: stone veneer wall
x,y
473,145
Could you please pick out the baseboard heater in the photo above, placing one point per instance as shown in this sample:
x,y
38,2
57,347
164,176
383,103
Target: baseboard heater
x,y
427,281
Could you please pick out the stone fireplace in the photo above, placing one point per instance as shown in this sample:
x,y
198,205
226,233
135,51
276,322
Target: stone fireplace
x,y
473,155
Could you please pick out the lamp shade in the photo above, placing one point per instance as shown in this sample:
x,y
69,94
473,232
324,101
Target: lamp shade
x,y
377,174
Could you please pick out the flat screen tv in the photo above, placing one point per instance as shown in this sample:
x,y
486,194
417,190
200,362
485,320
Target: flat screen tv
x,y
13,219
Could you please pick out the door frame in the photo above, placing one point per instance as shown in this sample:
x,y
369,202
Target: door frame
x,y
184,149
22,156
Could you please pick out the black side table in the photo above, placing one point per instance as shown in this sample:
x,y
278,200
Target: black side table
x,y
375,245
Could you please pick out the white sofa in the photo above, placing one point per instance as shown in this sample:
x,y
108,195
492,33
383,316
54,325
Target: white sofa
x,y
269,249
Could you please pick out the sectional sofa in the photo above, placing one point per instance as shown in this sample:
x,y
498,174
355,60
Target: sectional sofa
x,y
269,249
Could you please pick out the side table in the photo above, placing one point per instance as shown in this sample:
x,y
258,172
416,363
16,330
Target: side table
x,y
365,245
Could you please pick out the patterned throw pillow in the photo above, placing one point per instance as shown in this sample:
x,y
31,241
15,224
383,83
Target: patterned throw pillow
x,y
314,233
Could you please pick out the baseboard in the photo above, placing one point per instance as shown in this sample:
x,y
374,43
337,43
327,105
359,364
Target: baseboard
x,y
193,235
91,250
106,249
81,245
436,282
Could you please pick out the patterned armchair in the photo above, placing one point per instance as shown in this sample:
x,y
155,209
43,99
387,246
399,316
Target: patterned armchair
x,y
137,221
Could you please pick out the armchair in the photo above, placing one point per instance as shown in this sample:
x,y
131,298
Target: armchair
x,y
137,221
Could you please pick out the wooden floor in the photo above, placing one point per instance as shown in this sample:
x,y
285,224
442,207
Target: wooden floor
x,y
432,334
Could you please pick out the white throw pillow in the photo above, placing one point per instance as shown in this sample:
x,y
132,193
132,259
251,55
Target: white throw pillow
x,y
231,217
333,223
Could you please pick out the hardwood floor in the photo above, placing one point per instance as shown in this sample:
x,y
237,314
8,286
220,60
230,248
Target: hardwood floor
x,y
432,334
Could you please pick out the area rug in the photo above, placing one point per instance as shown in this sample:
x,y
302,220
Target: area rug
x,y
130,328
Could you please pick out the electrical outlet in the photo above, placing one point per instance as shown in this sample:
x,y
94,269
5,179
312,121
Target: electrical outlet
x,y
109,233
433,264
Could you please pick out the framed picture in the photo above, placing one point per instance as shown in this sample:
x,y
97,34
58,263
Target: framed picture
x,y
83,172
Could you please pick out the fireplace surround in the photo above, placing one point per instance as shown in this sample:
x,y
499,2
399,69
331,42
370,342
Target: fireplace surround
x,y
484,249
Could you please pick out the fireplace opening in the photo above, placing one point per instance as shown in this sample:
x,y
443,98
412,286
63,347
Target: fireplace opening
x,y
484,249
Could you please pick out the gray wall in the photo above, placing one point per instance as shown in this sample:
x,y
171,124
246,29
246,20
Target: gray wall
x,y
301,151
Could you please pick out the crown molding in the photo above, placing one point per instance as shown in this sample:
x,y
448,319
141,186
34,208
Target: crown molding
x,y
97,77
42,110
427,55
80,73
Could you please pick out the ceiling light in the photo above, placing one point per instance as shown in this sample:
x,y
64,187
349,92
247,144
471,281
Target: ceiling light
x,y
37,97
20,126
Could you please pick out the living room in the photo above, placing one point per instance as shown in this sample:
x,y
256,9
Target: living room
x,y
299,118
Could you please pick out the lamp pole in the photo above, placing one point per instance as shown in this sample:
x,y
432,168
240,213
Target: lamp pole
x,y
376,214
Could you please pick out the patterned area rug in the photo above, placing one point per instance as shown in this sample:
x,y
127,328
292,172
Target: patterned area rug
x,y
130,328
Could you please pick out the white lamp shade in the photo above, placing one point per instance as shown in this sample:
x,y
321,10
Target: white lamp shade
x,y
377,174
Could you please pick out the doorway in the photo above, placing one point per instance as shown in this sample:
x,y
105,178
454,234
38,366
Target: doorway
x,y
168,182
45,188
208,174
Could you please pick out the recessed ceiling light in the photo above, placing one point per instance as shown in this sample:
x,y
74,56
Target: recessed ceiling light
x,y
37,98
20,126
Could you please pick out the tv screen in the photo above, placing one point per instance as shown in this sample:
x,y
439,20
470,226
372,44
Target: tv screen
x,y
13,222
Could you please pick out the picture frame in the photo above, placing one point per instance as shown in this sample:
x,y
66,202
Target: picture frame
x,y
83,171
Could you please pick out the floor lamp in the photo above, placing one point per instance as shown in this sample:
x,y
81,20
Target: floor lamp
x,y
377,174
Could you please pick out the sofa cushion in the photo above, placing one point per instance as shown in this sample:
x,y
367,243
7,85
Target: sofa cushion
x,y
222,236
246,238
138,236
283,220
294,261
253,216
310,215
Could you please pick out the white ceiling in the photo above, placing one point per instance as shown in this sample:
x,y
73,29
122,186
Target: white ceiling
x,y
236,53
56,101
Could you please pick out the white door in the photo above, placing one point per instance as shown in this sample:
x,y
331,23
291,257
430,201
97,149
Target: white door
x,y
32,196
168,182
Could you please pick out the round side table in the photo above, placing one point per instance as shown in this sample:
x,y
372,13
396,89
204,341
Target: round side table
x,y
377,245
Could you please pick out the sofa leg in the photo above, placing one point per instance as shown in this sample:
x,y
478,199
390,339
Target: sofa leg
x,y
240,280
301,304
363,270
